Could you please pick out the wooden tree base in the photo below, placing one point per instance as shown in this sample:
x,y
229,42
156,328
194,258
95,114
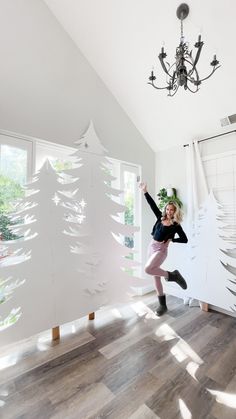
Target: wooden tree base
x,y
56,333
204,306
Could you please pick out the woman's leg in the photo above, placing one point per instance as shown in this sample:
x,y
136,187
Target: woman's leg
x,y
152,266
158,285
157,253
162,308
176,276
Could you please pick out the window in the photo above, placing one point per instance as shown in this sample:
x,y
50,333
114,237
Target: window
x,y
15,171
16,163
127,178
57,154
16,158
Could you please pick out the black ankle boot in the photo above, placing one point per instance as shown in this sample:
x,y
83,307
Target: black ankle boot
x,y
175,276
162,309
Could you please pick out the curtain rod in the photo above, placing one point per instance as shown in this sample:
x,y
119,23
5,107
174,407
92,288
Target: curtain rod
x,y
210,138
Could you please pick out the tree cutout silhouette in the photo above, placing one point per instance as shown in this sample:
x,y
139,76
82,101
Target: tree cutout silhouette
x,y
70,252
44,247
102,258
14,254
212,266
7,287
229,211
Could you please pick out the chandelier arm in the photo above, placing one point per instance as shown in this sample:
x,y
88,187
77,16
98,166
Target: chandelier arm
x,y
193,91
159,88
191,75
164,66
192,81
214,69
174,91
192,69
197,55
191,72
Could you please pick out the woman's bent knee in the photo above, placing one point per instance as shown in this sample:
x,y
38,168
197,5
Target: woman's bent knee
x,y
148,270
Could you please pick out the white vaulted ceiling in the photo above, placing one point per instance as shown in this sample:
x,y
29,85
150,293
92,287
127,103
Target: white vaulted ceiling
x,y
122,39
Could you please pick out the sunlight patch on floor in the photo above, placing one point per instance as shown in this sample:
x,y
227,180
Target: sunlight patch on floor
x,y
143,310
182,350
192,368
44,337
116,313
8,361
184,410
4,393
228,399
165,332
42,346
73,329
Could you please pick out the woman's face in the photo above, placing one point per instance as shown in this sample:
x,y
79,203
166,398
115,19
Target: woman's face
x,y
170,210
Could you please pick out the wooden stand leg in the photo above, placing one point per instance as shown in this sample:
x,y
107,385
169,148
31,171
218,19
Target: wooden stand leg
x,y
56,333
91,316
204,306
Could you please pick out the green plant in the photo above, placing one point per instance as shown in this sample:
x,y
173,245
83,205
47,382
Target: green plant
x,y
60,165
164,198
12,318
5,232
9,191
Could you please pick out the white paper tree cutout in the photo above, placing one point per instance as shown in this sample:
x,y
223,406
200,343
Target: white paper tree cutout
x,y
212,267
230,229
100,257
67,254
8,285
49,267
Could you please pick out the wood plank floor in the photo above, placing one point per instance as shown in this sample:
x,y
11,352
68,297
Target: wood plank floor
x,y
127,363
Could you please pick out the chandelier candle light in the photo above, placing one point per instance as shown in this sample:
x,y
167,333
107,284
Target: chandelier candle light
x,y
183,72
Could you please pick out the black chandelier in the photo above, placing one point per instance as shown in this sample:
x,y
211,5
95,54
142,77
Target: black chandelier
x,y
183,72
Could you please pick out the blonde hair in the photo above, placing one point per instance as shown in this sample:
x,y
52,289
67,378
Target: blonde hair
x,y
178,216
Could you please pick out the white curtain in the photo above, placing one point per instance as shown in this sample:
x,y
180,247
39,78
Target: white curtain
x,y
196,184
197,192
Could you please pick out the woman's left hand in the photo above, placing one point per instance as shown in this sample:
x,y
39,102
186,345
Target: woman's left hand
x,y
143,187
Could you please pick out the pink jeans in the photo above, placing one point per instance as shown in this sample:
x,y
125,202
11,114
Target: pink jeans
x,y
157,253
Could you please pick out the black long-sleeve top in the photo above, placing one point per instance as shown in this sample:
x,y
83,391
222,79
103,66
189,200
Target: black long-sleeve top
x,y
161,232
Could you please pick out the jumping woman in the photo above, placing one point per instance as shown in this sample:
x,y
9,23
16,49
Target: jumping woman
x,y
163,232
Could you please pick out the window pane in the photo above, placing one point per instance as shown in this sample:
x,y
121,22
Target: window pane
x,y
129,198
13,163
13,174
60,164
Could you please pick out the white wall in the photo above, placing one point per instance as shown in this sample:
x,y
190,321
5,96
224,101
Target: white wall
x,y
171,164
170,170
49,90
